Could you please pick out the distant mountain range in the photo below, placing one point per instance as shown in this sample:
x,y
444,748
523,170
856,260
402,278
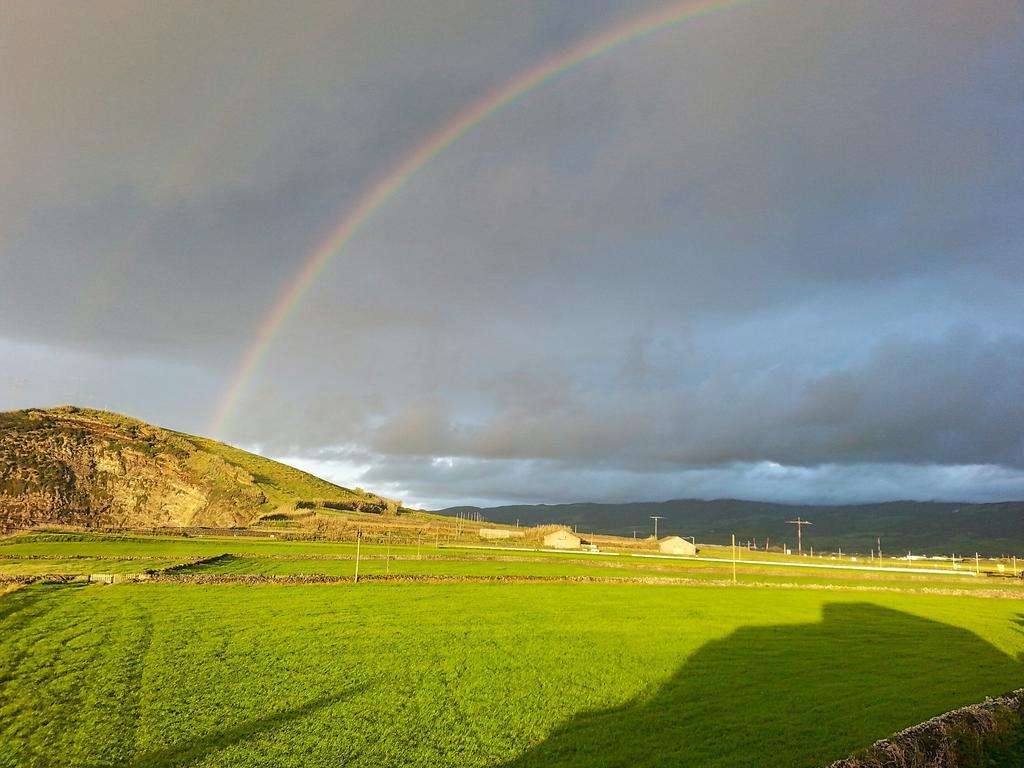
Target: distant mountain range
x,y
924,527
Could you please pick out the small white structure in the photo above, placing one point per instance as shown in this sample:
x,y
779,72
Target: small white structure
x,y
562,539
676,545
500,533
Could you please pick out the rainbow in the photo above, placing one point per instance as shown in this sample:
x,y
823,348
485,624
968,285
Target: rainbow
x,y
387,186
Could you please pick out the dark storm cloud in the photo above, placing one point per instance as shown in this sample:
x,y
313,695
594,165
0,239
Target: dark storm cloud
x,y
773,251
166,173
437,483
947,401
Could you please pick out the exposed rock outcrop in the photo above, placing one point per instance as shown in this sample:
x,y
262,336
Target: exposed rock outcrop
x,y
69,466
74,466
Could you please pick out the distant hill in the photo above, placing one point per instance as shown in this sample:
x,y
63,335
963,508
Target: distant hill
x,y
84,467
925,527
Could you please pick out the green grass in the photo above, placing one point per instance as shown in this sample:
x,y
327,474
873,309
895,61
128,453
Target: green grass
x,y
132,546
269,556
425,567
281,483
150,675
455,564
81,565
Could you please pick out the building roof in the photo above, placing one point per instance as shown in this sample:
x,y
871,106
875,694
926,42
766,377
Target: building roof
x,y
561,531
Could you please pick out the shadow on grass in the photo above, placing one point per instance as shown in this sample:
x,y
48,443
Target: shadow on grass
x,y
194,751
790,695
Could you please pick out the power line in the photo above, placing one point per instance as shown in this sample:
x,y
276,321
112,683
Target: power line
x,y
799,532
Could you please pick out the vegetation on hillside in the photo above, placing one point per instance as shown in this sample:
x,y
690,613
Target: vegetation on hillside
x,y
84,467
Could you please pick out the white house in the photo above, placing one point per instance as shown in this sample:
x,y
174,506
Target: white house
x,y
676,545
562,539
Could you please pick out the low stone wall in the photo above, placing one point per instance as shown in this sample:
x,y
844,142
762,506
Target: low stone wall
x,y
112,578
956,739
74,578
9,556
233,578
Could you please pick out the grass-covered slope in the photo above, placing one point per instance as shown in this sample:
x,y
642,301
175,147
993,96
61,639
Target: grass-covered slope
x,y
284,485
85,467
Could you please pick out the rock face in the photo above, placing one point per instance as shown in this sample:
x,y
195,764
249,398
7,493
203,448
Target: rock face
x,y
80,467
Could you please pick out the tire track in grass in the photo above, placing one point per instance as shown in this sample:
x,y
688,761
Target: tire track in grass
x,y
199,749
130,674
17,610
46,649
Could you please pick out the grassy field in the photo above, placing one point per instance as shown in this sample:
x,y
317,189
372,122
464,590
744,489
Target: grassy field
x,y
42,567
567,568
70,554
473,674
477,674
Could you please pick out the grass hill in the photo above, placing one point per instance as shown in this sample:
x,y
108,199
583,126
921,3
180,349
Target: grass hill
x,y
79,466
924,527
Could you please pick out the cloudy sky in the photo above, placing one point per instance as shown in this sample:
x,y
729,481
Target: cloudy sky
x,y
775,251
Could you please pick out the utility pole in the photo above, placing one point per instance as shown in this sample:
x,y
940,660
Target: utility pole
x,y
656,518
977,563
879,541
359,538
799,533
734,558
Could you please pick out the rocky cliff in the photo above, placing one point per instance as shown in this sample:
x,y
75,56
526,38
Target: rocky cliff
x,y
82,467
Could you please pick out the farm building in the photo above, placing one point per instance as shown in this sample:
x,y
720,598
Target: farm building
x,y
562,539
500,533
676,545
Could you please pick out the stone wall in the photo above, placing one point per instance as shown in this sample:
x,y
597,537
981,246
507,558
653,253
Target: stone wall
x,y
956,739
